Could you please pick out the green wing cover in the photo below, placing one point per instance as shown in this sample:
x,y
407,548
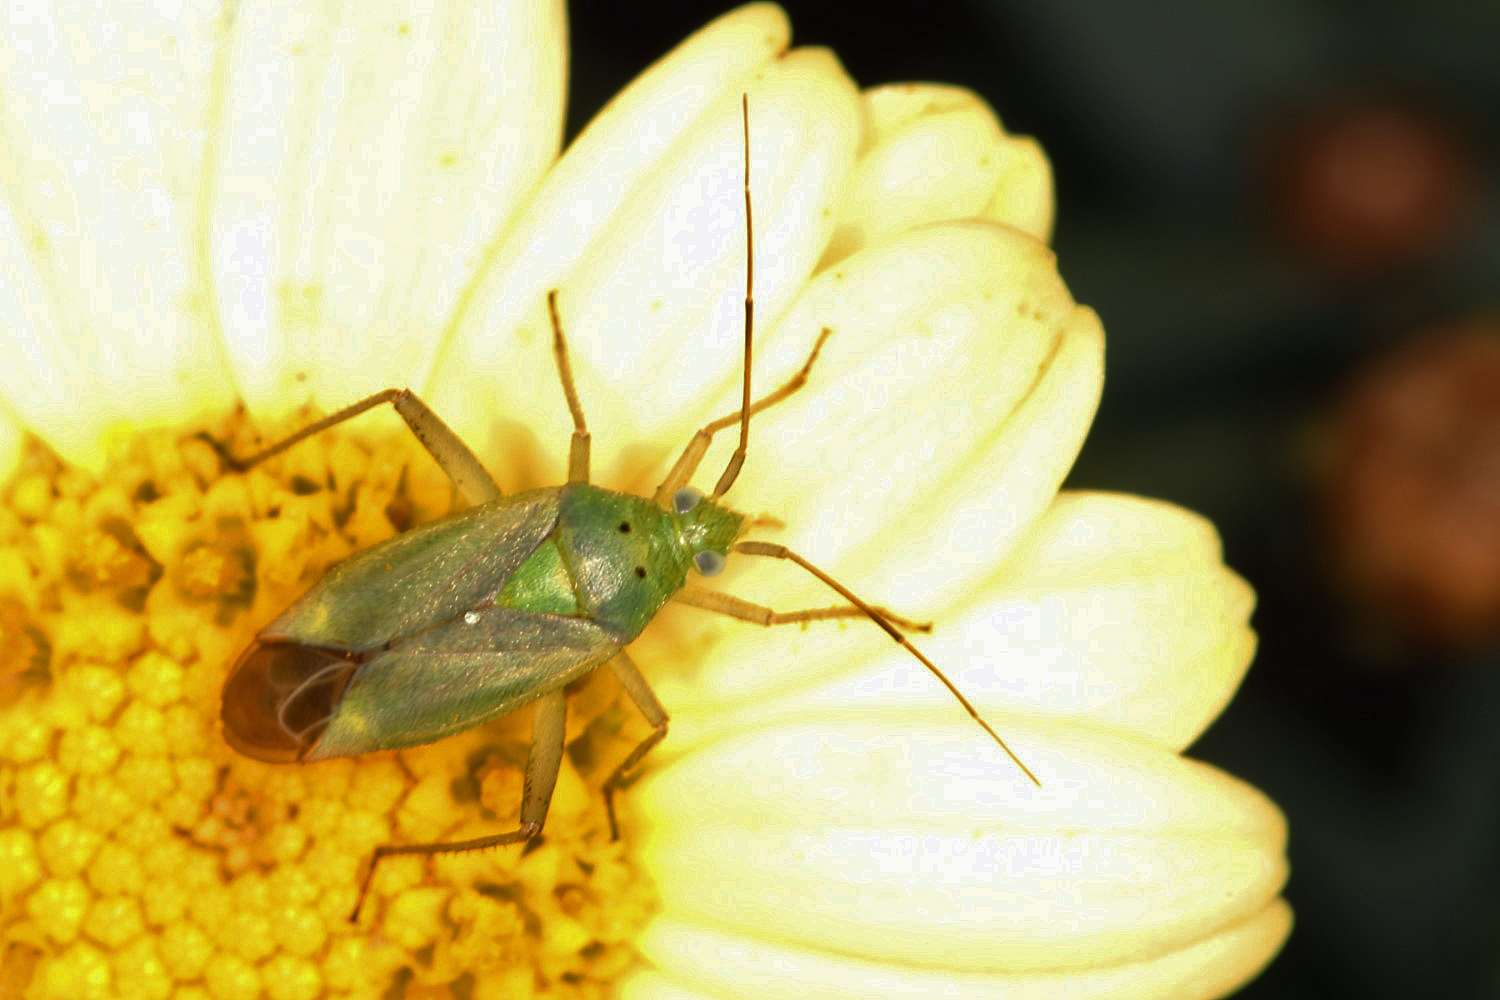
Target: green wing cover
x,y
458,675
420,578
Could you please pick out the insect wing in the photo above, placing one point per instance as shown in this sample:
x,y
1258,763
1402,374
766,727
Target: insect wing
x,y
419,579
453,677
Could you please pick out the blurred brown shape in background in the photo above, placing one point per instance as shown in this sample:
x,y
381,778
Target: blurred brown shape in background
x,y
1368,184
1412,491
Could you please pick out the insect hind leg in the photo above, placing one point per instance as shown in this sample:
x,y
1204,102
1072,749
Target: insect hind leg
x,y
549,725
460,464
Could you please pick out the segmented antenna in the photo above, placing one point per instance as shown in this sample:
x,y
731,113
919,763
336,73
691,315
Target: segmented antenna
x,y
737,460
776,551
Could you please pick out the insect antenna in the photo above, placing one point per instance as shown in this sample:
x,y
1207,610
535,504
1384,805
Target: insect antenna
x,y
776,551
737,460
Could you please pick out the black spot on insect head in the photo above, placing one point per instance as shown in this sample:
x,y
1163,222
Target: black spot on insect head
x,y
640,571
624,527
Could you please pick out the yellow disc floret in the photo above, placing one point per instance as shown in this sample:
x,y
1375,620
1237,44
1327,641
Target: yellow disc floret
x,y
141,857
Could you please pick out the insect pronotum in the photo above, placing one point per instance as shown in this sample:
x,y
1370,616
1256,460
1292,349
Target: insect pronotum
x,y
504,604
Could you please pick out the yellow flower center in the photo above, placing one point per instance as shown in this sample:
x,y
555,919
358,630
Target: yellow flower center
x,y
141,857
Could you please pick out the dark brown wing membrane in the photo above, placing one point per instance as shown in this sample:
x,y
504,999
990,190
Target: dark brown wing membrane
x,y
279,698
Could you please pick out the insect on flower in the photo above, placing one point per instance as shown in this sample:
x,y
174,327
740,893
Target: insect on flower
x,y
454,623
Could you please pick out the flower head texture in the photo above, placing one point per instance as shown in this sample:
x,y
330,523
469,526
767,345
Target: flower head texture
x,y
294,206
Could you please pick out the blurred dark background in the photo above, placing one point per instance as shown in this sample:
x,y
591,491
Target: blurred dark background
x,y
1286,215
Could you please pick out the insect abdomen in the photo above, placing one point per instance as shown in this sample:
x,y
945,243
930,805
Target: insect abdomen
x,y
448,679
280,697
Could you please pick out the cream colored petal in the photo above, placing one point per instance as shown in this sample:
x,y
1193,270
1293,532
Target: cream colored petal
x,y
913,841
104,314
936,153
370,156
1118,611
1115,611
947,407
641,228
723,965
1024,197
643,123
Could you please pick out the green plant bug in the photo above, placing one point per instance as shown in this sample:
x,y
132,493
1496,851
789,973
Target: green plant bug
x,y
504,604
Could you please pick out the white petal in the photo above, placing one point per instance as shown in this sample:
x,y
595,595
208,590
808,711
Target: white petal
x,y
937,153
641,228
947,407
723,964
370,157
1115,611
104,310
915,841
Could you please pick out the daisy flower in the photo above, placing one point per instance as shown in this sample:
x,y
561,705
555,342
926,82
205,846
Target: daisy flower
x,y
290,207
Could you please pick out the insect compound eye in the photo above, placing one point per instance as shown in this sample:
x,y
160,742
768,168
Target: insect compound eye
x,y
686,499
709,562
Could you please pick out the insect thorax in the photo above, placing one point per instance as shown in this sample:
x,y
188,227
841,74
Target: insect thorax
x,y
626,557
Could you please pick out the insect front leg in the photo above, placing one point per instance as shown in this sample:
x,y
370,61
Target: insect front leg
x,y
449,451
549,724
640,692
687,463
578,448
759,614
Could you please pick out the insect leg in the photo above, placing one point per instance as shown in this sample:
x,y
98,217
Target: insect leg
x,y
547,730
735,607
578,449
640,692
775,551
446,447
687,463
